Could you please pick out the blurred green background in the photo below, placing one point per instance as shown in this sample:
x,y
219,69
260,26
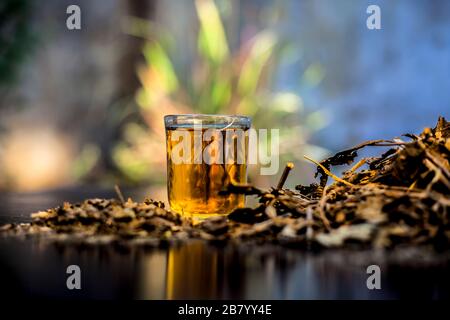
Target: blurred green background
x,y
86,106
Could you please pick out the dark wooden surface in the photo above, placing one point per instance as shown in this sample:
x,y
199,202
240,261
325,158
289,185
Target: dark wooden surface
x,y
37,268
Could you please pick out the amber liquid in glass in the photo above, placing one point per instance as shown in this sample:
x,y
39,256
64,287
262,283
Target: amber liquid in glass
x,y
193,188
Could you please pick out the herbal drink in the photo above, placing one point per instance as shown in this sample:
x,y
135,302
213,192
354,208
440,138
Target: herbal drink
x,y
204,155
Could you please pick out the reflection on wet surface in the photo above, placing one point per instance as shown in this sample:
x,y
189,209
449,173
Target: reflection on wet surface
x,y
200,271
196,270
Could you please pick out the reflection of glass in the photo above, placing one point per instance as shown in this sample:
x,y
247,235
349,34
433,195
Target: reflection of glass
x,y
204,154
192,272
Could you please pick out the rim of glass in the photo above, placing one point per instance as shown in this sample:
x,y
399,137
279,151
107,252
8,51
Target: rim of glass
x,y
219,121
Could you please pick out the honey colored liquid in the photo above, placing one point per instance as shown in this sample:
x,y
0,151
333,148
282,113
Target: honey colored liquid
x,y
193,188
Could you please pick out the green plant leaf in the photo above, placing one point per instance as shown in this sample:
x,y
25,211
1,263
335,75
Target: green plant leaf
x,y
260,52
220,94
212,42
158,59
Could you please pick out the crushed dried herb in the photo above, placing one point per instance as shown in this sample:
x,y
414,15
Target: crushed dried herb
x,y
399,198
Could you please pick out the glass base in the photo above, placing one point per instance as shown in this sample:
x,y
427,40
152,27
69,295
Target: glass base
x,y
199,217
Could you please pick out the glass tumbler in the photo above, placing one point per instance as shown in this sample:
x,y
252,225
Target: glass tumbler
x,y
205,153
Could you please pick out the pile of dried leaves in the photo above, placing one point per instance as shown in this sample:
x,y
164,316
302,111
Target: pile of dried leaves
x,y
399,198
